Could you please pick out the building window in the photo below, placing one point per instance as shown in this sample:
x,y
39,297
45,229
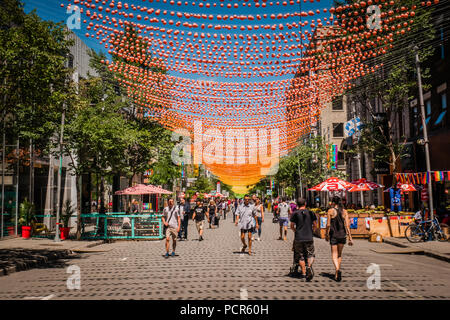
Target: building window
x,y
337,104
341,159
338,130
443,109
428,107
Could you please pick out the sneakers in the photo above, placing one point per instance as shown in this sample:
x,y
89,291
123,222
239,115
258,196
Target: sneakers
x,y
339,276
166,255
173,254
309,273
200,239
293,272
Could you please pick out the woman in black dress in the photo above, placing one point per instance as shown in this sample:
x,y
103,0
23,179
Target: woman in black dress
x,y
337,233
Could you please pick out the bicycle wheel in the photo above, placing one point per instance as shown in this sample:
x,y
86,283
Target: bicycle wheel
x,y
440,234
414,233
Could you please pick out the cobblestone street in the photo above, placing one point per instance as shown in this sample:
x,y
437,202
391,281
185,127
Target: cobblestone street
x,y
215,269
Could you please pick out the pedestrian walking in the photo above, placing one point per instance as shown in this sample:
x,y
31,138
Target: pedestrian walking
x,y
284,211
185,223
212,213
302,223
236,204
337,232
244,216
259,216
199,216
182,213
172,223
224,209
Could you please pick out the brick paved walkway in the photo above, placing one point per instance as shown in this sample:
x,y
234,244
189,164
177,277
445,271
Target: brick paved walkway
x,y
214,269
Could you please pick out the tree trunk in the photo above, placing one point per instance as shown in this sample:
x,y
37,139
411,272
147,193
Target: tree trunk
x,y
80,205
31,182
102,196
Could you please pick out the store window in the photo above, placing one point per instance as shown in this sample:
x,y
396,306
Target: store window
x,y
338,130
428,107
443,109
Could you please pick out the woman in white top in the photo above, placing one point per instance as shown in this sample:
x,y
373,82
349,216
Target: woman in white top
x,y
259,215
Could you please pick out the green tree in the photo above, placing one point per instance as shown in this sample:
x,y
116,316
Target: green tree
x,y
311,160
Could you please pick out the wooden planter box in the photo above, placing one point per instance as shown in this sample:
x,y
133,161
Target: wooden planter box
x,y
361,231
363,215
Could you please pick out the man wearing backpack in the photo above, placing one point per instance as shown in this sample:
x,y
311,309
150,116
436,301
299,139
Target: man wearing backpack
x,y
302,223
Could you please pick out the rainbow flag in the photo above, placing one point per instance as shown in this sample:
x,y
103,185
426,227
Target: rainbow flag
x,y
438,176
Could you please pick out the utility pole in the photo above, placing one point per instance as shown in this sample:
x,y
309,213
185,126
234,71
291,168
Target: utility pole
x,y
425,132
17,185
3,173
359,158
58,195
299,175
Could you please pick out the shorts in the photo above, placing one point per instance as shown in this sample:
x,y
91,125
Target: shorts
x,y
171,232
251,230
199,225
336,241
284,222
303,250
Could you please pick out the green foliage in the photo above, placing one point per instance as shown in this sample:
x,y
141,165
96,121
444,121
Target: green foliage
x,y
32,73
67,212
201,185
26,213
290,191
110,135
311,157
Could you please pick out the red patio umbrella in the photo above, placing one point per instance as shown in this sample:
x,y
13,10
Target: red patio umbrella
x,y
333,184
364,185
405,187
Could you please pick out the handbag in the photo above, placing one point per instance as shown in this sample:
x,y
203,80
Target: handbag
x,y
275,220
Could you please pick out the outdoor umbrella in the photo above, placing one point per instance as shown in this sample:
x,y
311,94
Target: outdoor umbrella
x,y
141,189
333,184
364,185
406,187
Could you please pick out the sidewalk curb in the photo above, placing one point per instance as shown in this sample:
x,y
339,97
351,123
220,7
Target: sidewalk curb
x,y
426,252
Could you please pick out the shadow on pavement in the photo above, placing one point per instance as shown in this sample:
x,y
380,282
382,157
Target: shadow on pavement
x,y
23,259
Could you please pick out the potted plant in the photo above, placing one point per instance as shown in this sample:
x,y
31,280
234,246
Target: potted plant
x,y
26,215
68,211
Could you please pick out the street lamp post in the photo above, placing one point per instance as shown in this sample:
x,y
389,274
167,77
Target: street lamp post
x,y
425,132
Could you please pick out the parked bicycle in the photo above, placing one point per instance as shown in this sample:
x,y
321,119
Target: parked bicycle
x,y
426,230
